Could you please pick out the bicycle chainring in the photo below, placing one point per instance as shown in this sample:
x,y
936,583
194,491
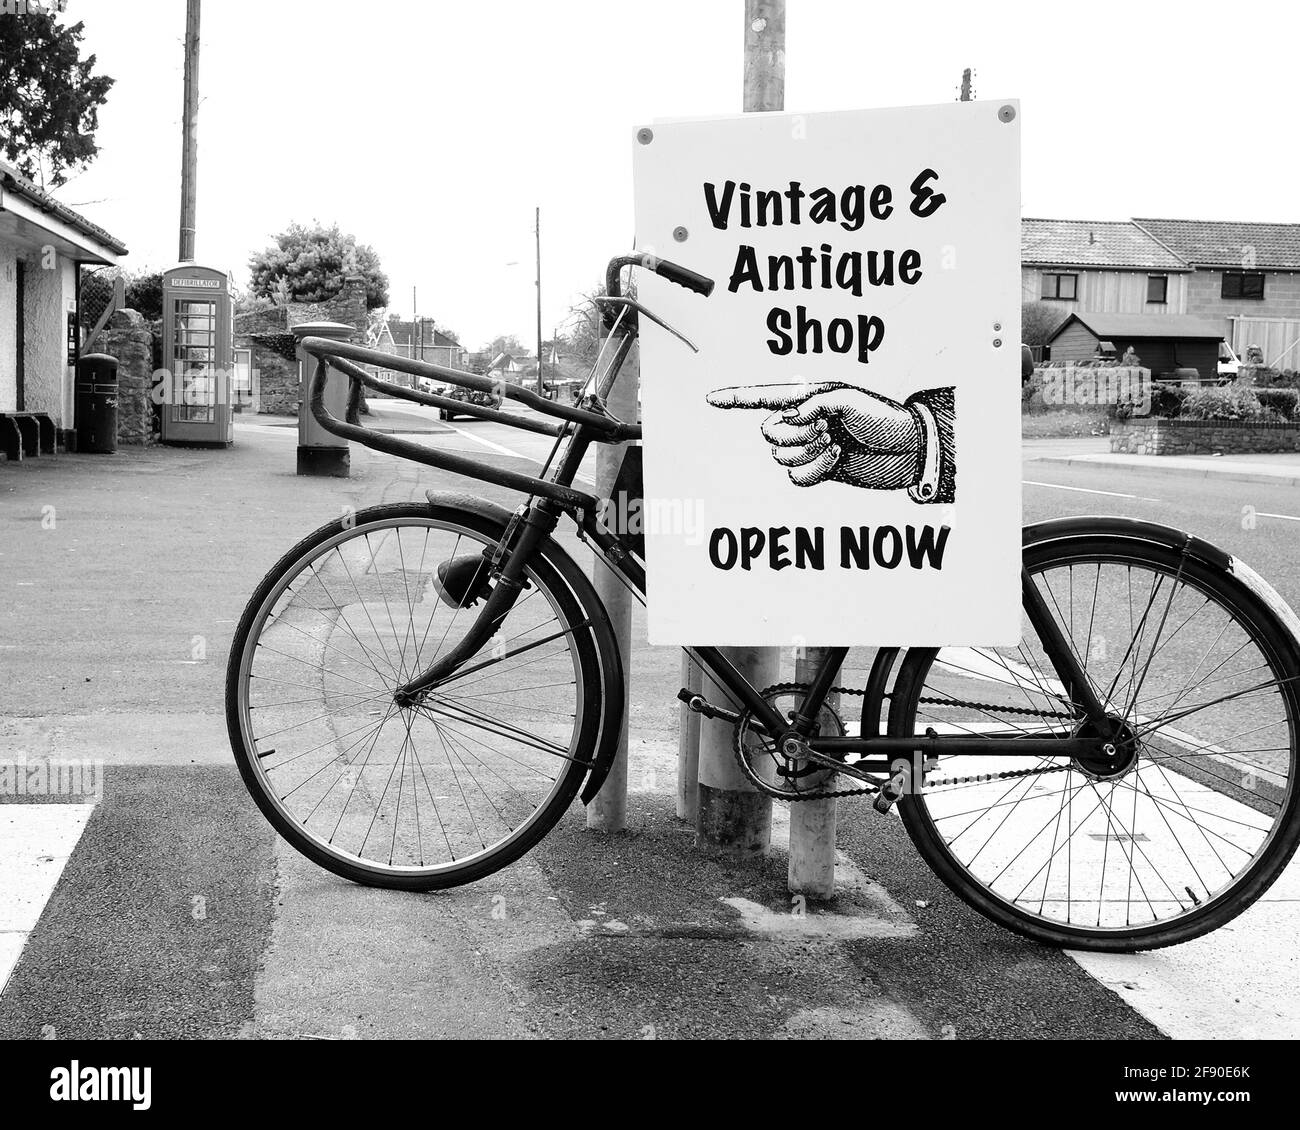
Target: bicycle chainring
x,y
771,771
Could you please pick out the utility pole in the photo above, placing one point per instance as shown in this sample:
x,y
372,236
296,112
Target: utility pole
x,y
189,130
537,231
731,814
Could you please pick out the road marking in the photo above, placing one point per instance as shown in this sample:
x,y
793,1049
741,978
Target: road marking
x,y
498,448
1285,517
35,843
1220,985
1233,983
1089,490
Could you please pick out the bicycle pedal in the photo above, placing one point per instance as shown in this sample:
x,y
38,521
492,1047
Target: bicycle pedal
x,y
892,791
698,704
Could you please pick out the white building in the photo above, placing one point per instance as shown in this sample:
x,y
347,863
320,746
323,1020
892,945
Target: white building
x,y
42,246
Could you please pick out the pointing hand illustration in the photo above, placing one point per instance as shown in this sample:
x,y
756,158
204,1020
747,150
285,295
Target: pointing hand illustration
x,y
829,431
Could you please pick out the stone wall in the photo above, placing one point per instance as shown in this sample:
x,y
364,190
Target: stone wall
x,y
275,373
1202,437
265,332
129,338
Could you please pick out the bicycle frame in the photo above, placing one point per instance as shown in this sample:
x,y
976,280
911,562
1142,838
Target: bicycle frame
x,y
554,495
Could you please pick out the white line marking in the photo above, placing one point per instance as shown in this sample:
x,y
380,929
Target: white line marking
x,y
1088,490
498,448
1286,517
35,842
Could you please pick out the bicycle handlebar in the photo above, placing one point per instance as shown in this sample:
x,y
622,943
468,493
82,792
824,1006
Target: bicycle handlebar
x,y
673,272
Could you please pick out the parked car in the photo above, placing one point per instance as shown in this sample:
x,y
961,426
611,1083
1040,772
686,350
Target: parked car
x,y
1229,363
467,396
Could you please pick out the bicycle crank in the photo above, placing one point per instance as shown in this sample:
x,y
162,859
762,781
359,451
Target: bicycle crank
x,y
785,767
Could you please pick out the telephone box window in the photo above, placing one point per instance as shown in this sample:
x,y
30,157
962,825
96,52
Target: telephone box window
x,y
194,360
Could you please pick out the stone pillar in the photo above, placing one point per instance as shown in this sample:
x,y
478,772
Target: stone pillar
x,y
129,338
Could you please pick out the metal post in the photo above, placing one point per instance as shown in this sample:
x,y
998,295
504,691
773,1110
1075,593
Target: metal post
x,y
607,811
688,746
812,822
732,814
189,132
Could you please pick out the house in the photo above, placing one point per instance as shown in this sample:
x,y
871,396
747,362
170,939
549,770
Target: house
x,y
43,245
1244,277
1100,267
508,367
1247,276
421,340
1163,342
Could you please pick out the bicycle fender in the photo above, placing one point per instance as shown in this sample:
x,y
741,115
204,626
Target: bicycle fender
x,y
612,718
1179,540
1136,528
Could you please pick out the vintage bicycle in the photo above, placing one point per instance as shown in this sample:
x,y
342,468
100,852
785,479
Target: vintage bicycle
x,y
417,692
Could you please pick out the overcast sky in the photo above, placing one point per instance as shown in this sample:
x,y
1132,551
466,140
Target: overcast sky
x,y
431,129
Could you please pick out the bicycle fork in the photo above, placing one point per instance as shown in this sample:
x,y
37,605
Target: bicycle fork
x,y
526,531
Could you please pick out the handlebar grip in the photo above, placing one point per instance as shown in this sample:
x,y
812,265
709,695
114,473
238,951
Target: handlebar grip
x,y
682,276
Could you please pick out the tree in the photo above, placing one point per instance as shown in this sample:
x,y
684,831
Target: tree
x,y
582,341
311,265
505,343
49,98
1038,321
144,293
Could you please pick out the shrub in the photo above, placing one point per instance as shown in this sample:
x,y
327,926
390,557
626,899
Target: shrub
x,y
1167,401
1261,377
1230,403
1280,400
1031,394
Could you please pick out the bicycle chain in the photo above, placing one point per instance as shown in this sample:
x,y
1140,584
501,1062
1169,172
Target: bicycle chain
x,y
867,790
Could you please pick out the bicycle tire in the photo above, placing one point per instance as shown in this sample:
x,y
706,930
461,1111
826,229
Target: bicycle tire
x,y
592,643
1266,631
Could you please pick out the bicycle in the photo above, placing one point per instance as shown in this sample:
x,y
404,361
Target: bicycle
x,y
416,694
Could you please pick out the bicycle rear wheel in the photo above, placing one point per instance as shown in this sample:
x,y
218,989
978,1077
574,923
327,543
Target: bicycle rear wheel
x,y
421,797
1199,816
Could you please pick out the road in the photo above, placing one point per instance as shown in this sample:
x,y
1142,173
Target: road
x,y
159,902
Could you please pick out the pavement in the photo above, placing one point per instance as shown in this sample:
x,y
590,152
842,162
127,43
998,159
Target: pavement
x,y
153,900
1280,468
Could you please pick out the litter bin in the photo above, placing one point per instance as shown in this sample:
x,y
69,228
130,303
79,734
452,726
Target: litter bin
x,y
95,404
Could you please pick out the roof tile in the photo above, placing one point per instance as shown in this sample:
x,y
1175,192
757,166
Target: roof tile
x,y
1222,243
1093,243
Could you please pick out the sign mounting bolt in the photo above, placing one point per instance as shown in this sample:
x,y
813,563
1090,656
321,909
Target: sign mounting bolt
x,y
680,234
997,343
1007,114
645,136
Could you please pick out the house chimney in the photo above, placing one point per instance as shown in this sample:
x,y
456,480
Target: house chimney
x,y
1092,238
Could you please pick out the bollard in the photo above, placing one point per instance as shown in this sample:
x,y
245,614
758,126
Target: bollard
x,y
321,452
812,822
733,815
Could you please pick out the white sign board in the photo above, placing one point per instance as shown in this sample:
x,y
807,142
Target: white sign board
x,y
839,463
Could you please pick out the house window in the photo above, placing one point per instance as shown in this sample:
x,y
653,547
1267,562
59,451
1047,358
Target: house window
x,y
1060,286
1243,284
1158,288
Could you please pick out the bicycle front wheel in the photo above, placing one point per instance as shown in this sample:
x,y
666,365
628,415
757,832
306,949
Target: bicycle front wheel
x,y
1198,815
431,795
